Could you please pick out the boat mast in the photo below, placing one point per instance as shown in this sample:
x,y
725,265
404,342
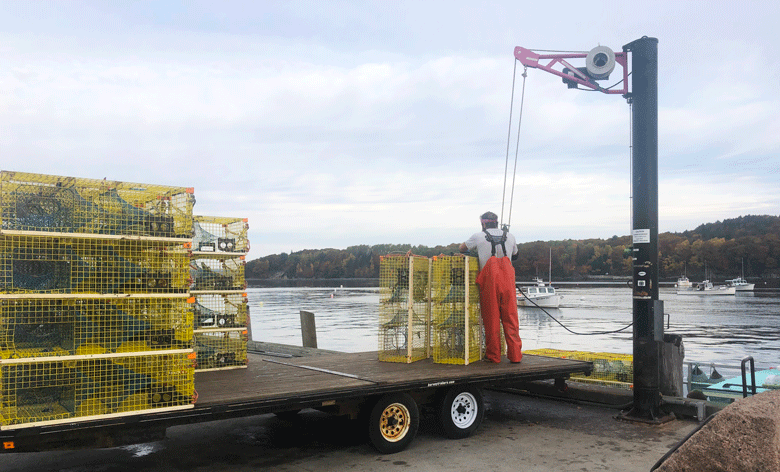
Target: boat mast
x,y
549,272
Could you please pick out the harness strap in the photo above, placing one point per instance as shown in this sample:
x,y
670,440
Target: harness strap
x,y
495,240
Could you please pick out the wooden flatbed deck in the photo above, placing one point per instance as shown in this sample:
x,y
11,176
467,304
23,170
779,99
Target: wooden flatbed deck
x,y
269,379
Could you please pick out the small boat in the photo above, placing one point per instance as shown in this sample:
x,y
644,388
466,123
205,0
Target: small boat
x,y
731,389
539,295
706,288
740,284
683,282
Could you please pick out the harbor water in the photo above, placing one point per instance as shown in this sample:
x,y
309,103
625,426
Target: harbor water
x,y
715,329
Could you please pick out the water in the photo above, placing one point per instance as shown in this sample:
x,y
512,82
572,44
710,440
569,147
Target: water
x,y
720,329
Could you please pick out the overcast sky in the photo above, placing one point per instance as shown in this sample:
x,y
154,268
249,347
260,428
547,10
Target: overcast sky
x,y
331,124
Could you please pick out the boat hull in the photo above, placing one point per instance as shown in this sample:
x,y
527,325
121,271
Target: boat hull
x,y
710,292
553,301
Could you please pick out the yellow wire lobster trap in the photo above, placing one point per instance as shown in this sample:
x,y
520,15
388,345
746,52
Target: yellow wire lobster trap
x,y
41,264
217,274
404,308
56,204
220,234
609,369
221,310
456,326
221,349
35,328
64,390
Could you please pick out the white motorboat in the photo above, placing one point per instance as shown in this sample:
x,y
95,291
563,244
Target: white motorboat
x,y
740,284
683,283
539,295
706,288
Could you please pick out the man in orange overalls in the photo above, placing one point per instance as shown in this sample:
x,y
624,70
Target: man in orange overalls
x,y
497,292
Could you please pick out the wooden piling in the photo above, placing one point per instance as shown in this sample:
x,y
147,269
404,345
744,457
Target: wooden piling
x,y
308,329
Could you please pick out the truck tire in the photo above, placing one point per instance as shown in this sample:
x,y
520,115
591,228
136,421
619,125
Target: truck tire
x,y
393,423
461,411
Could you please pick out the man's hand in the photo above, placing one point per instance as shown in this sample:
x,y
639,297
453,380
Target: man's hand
x,y
463,248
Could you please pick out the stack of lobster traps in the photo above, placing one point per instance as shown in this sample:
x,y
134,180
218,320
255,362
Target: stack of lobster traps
x,y
95,314
429,307
218,286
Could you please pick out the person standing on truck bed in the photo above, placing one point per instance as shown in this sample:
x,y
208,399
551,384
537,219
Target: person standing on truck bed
x,y
497,295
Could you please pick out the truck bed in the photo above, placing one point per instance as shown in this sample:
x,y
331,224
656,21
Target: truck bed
x,y
274,384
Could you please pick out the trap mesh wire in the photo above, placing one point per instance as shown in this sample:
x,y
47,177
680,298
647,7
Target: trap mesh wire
x,y
34,328
220,234
221,349
217,274
221,310
404,308
457,332
69,389
37,202
609,369
40,264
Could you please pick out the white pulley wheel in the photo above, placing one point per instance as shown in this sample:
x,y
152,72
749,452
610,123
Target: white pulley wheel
x,y
600,62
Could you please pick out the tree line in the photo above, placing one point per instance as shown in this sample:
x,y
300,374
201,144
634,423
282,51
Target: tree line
x,y
721,249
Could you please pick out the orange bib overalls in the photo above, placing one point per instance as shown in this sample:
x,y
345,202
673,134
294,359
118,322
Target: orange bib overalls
x,y
498,303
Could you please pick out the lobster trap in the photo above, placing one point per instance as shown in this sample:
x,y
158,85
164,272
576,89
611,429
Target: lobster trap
x,y
221,310
63,390
35,328
217,274
68,264
404,308
456,323
55,204
220,234
609,369
221,349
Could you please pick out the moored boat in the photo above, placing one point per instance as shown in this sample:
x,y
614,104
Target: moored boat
x,y
706,288
683,282
740,284
540,295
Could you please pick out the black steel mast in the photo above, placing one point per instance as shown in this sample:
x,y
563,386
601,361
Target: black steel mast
x,y
647,309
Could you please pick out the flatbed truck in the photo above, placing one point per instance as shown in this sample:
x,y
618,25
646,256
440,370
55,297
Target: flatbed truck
x,y
387,397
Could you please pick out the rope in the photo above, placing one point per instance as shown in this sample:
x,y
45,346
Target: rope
x,y
517,146
508,137
574,332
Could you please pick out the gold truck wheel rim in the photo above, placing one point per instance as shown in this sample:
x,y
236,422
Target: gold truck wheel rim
x,y
394,422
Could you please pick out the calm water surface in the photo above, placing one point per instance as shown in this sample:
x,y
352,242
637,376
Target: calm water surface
x,y
721,329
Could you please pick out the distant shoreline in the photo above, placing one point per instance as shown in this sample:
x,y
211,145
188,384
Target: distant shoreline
x,y
616,282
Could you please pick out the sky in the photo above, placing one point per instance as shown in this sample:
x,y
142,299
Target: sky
x,y
334,124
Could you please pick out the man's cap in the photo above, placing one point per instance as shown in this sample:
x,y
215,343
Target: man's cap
x,y
488,217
